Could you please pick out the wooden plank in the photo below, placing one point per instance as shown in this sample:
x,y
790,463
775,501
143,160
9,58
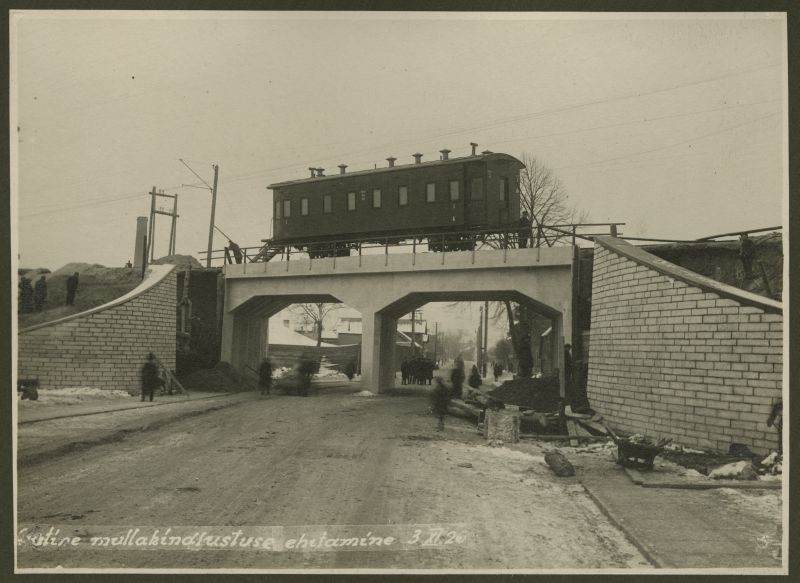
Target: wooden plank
x,y
171,377
573,432
594,425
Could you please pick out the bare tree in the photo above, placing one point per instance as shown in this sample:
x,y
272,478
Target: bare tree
x,y
315,313
543,195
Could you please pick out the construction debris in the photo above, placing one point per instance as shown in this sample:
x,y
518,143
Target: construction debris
x,y
502,426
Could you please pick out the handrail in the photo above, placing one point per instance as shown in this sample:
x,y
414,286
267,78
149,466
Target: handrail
x,y
508,236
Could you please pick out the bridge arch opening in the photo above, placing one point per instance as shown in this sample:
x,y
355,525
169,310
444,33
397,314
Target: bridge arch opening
x,y
550,339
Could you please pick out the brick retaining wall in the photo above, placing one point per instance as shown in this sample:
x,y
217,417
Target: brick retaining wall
x,y
677,354
105,347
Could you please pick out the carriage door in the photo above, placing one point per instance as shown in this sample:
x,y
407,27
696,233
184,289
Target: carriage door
x,y
475,212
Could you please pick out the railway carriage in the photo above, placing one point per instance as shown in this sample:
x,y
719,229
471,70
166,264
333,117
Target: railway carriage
x,y
440,200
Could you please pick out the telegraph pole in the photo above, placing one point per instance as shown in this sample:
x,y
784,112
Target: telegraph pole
x,y
213,209
485,335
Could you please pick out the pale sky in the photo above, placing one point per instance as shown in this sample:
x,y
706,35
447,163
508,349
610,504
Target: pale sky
x,y
674,125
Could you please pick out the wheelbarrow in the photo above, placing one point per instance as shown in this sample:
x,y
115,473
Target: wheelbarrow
x,y
638,456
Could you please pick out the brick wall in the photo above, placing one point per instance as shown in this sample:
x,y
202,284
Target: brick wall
x,y
106,346
676,354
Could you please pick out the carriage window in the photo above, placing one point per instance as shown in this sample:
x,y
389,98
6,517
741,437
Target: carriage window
x,y
454,194
287,208
304,206
402,196
327,204
431,192
351,201
277,209
376,198
477,189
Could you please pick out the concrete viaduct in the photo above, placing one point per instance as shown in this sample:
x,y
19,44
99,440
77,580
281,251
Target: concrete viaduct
x,y
386,287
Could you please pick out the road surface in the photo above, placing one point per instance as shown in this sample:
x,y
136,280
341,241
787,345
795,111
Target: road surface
x,y
367,480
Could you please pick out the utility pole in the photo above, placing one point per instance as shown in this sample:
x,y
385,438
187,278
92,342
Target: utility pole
x,y
413,342
213,190
213,209
152,227
485,335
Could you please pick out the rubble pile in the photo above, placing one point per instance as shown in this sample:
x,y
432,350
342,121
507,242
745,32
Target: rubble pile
x,y
540,394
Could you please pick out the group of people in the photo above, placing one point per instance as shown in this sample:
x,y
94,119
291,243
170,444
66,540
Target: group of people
x,y
417,371
33,297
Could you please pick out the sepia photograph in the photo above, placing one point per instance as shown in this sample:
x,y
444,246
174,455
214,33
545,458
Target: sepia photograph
x,y
399,292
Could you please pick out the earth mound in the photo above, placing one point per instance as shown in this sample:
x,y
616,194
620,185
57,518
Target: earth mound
x,y
540,394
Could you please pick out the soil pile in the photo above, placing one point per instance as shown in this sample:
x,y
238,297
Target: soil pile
x,y
538,394
183,262
221,378
97,285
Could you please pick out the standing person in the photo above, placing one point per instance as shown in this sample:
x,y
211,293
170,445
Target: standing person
x,y
265,376
498,370
440,399
457,381
474,377
236,250
150,377
40,293
25,295
775,420
72,288
746,254
524,230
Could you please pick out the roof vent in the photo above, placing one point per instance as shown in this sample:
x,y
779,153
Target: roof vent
x,y
474,147
445,153
313,172
320,172
391,160
417,158
342,168
486,152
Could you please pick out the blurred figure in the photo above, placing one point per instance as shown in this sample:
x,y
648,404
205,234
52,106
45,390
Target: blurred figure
x,y
40,293
236,250
440,399
151,379
72,288
265,376
474,377
524,232
457,381
305,372
25,295
498,370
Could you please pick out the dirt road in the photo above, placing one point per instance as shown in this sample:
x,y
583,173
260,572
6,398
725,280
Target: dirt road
x,y
331,467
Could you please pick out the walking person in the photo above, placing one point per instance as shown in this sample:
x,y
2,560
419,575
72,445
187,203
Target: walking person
x,y
151,379
72,288
440,399
40,293
265,376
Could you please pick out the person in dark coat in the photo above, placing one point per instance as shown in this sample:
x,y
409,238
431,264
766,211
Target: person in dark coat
x,y
151,379
404,371
265,376
775,420
236,250
568,364
498,370
524,230
746,253
40,293
440,399
72,288
457,381
474,377
25,295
